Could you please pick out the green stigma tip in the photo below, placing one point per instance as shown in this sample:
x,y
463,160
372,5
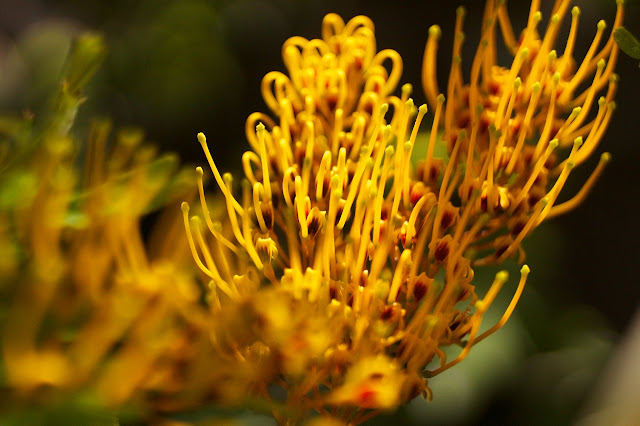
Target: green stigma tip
x,y
227,177
260,128
185,207
553,144
536,86
199,170
555,18
543,202
517,82
462,134
409,104
552,55
389,151
440,98
384,108
556,77
602,25
577,142
605,157
423,109
461,11
575,11
537,17
601,63
525,270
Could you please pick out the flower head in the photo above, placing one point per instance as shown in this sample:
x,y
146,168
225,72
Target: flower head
x,y
335,221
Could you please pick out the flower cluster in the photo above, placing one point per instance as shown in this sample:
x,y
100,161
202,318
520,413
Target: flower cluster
x,y
92,305
352,261
523,118
336,274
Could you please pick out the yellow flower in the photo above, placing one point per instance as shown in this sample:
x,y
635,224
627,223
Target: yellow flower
x,y
334,222
90,308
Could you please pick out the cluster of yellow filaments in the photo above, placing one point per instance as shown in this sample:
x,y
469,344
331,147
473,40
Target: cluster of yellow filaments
x,y
520,118
92,308
342,268
378,250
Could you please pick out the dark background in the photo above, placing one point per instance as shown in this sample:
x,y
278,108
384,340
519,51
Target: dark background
x,y
179,67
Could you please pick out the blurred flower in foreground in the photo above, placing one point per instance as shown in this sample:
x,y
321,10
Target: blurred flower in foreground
x,y
353,268
88,307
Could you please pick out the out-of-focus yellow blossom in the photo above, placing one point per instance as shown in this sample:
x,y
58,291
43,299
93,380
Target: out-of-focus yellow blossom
x,y
522,118
348,261
88,306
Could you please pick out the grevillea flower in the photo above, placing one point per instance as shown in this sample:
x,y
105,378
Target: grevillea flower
x,y
351,263
336,221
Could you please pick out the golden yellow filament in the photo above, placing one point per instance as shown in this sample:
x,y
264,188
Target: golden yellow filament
x,y
584,66
591,92
524,273
211,266
429,80
192,246
265,166
506,29
567,56
584,191
249,245
258,191
203,142
248,158
411,227
207,215
354,185
434,133
325,165
593,140
549,119
377,217
405,260
300,202
533,103
233,218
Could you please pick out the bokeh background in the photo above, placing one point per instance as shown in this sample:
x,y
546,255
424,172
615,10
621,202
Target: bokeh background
x,y
177,67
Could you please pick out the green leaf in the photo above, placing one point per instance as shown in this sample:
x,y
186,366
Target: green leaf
x,y
627,42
